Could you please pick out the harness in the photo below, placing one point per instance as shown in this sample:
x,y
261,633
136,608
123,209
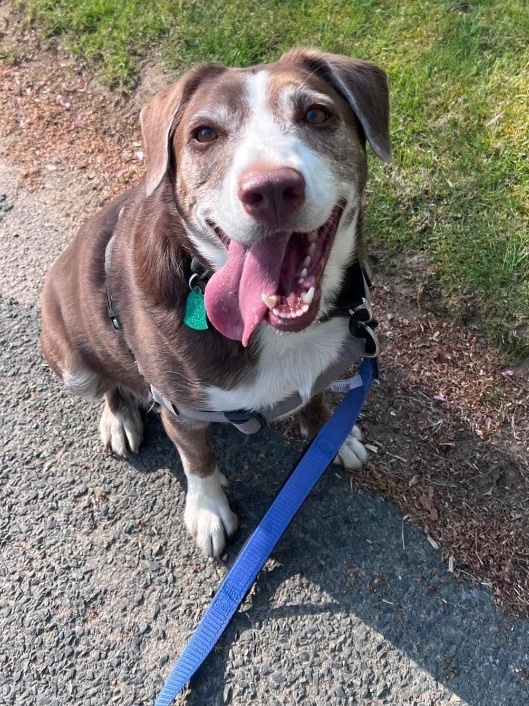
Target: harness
x,y
353,302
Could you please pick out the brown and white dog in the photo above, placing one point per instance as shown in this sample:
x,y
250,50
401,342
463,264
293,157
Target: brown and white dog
x,y
256,174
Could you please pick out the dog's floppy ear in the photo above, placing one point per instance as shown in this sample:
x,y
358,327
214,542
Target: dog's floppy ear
x,y
363,84
160,116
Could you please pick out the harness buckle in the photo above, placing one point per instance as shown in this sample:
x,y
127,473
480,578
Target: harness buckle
x,y
246,421
362,312
362,325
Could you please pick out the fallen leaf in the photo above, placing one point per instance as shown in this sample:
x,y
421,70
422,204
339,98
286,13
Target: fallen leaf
x,y
495,476
426,501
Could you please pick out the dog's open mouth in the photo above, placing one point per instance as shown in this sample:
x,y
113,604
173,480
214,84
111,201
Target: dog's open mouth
x,y
276,280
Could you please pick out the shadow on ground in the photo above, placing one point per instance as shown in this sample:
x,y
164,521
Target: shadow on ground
x,y
381,581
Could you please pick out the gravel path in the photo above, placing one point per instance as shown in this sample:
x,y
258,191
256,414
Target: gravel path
x,y
100,587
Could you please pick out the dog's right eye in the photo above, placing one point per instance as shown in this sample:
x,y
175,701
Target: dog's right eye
x,y
205,134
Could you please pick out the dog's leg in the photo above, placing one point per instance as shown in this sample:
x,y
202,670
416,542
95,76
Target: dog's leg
x,y
207,516
352,455
121,426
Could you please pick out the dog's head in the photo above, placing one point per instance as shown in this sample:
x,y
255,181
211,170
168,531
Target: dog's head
x,y
269,167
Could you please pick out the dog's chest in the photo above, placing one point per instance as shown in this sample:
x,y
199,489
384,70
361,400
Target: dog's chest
x,y
286,364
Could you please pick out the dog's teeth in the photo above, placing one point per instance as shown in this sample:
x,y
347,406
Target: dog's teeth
x,y
307,261
303,272
308,296
289,313
271,302
301,280
312,249
313,236
299,312
282,314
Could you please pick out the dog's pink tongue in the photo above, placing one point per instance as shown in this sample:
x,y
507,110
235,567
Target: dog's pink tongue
x,y
233,298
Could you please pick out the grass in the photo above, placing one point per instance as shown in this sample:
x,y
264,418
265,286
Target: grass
x,y
457,191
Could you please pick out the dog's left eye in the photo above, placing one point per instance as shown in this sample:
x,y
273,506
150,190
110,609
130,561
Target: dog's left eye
x,y
316,115
205,134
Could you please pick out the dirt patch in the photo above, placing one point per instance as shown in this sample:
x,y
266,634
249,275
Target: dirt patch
x,y
54,113
448,425
451,424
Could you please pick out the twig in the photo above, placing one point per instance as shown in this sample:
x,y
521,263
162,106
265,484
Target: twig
x,y
399,458
402,532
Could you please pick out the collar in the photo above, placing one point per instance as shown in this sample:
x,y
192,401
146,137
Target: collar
x,y
353,298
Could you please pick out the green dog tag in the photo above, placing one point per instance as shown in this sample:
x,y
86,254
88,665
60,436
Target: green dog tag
x,y
195,316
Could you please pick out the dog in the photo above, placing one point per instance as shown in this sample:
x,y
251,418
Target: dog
x,y
210,286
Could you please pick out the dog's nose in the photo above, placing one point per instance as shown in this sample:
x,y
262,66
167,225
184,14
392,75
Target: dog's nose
x,y
272,195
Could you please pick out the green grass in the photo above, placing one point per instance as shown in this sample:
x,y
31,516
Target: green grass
x,y
457,190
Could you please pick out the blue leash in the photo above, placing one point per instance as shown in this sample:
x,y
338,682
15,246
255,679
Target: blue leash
x,y
260,545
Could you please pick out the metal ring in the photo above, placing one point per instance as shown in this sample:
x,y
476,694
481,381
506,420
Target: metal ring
x,y
364,306
190,283
374,338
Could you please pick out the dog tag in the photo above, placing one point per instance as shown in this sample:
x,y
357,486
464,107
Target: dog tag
x,y
195,316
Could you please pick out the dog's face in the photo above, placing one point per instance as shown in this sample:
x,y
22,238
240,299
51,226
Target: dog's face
x,y
269,166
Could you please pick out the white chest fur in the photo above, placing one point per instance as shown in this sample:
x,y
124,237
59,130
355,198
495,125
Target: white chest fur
x,y
287,363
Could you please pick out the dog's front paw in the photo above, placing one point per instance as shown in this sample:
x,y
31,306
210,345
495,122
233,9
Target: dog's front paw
x,y
353,454
208,516
121,426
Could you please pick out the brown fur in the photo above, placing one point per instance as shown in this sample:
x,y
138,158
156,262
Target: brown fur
x,y
150,264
